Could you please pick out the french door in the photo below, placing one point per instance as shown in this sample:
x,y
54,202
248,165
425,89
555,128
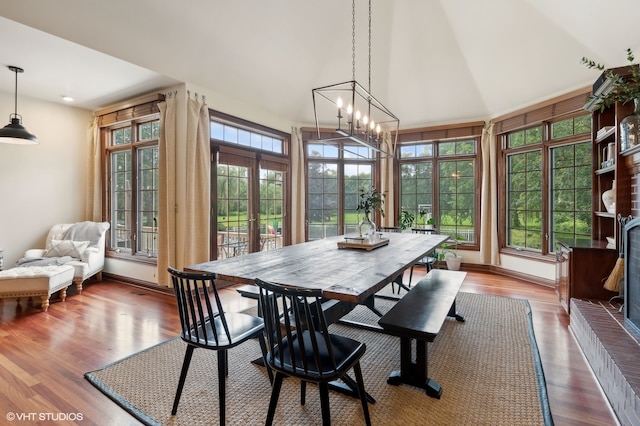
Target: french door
x,y
249,213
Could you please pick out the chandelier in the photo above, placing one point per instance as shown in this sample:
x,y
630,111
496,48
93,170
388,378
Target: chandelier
x,y
359,116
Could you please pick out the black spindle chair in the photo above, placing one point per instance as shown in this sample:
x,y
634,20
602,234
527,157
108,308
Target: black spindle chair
x,y
206,325
427,261
300,345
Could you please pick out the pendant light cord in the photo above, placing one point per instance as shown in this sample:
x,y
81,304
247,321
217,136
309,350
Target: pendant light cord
x,y
15,95
353,40
369,88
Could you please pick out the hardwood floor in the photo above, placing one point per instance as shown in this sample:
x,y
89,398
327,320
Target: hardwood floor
x,y
43,356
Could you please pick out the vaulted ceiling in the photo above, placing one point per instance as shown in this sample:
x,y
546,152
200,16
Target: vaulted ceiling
x,y
433,61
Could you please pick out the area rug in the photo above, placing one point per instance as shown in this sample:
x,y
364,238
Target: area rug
x,y
488,367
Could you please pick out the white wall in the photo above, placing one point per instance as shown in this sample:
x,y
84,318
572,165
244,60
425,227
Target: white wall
x,y
41,185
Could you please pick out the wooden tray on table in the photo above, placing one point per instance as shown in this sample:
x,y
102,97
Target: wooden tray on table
x,y
362,243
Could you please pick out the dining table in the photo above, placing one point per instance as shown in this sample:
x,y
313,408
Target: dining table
x,y
349,274
348,270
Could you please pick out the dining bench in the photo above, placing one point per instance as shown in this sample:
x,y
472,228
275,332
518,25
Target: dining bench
x,y
419,316
333,309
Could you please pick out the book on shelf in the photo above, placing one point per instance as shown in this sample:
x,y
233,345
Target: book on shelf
x,y
603,131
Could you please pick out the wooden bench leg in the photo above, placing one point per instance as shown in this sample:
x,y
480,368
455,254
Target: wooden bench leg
x,y
415,373
453,314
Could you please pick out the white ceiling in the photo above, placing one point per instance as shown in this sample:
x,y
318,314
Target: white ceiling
x,y
433,61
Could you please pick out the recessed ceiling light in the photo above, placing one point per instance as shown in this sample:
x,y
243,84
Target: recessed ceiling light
x,y
67,98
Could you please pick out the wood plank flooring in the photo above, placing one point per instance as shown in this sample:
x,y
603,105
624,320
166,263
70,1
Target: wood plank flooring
x,y
43,356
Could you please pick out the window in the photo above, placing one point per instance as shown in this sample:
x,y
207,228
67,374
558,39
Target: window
x,y
233,134
132,150
449,195
548,184
250,174
335,175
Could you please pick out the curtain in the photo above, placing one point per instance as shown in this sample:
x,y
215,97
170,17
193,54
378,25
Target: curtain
x,y
167,188
298,186
197,210
489,249
93,207
387,181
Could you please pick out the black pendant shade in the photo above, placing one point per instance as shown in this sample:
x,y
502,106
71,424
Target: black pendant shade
x,y
14,132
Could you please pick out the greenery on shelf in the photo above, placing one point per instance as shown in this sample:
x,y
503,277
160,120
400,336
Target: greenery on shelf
x,y
623,89
371,201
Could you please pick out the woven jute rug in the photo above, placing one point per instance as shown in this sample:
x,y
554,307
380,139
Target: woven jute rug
x,y
488,367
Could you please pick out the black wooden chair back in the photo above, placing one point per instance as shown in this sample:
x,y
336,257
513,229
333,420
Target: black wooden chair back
x,y
205,325
202,325
299,344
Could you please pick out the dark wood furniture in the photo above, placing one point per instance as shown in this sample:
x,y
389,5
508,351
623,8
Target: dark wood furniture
x,y
582,267
300,346
348,275
205,325
605,131
418,316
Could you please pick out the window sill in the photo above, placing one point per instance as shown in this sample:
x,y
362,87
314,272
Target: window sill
x,y
138,258
525,254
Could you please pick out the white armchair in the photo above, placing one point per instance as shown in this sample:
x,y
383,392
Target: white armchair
x,y
81,245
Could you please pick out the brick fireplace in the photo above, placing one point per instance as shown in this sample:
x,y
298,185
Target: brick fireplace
x,y
609,335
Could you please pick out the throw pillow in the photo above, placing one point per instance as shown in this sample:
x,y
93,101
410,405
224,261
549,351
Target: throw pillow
x,y
71,248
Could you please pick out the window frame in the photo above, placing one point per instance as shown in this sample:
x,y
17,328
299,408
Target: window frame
x,y
436,159
348,154
256,159
133,147
546,145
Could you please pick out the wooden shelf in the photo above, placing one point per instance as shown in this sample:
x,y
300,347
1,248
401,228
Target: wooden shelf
x,y
631,151
605,214
606,170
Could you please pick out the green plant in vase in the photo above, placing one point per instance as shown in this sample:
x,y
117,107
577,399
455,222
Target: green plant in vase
x,y
369,202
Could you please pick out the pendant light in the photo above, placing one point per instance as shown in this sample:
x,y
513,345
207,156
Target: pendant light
x,y
14,132
361,118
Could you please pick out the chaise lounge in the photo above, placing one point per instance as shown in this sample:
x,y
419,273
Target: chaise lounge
x,y
81,245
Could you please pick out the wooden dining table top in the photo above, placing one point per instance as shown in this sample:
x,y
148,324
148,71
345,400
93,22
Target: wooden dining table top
x,y
346,274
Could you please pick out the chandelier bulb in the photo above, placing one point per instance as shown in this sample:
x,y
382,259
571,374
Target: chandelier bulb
x,y
339,103
349,109
365,120
358,115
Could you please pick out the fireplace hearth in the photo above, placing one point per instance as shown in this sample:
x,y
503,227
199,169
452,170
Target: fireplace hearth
x,y
610,336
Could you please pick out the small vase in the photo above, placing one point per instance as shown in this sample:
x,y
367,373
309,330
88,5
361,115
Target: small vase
x,y
630,128
367,227
609,198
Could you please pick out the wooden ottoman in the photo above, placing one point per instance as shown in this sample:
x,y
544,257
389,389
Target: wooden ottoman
x,y
32,281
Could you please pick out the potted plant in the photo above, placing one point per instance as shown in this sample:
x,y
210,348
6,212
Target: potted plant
x,y
619,85
450,256
431,223
622,88
406,219
370,201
